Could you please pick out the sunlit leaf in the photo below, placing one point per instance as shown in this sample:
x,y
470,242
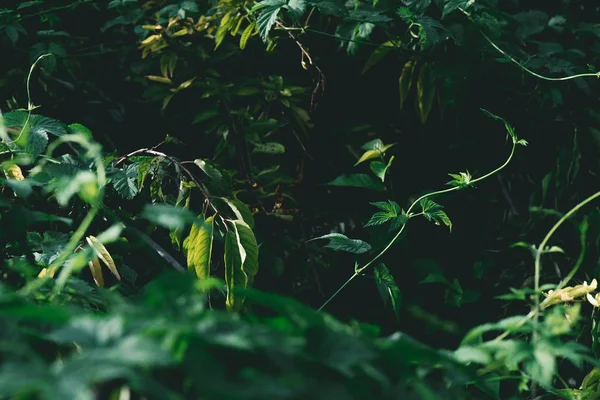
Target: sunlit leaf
x,y
241,262
198,247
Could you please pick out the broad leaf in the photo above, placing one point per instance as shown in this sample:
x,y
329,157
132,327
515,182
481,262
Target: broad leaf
x,y
390,212
209,169
339,242
241,262
125,181
380,169
241,211
198,247
387,287
358,180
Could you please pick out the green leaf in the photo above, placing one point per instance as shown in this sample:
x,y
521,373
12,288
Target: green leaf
x,y
48,247
405,80
143,168
378,54
380,169
209,168
368,155
78,129
425,92
269,148
124,180
338,242
268,16
377,145
390,212
462,179
198,247
432,211
246,35
168,216
37,123
69,186
387,287
183,200
241,262
357,180
241,211
452,5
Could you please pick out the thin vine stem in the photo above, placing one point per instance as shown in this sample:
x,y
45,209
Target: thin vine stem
x,y
524,68
538,306
358,271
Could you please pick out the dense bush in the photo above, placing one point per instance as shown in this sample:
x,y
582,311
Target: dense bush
x,y
289,146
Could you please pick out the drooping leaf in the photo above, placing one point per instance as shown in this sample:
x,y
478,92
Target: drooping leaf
x,y
241,211
183,200
405,81
358,180
387,287
198,247
432,211
241,262
378,54
339,242
209,169
103,254
425,92
380,169
96,270
246,34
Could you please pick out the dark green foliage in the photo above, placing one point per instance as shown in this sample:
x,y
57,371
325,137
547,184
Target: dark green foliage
x,y
229,134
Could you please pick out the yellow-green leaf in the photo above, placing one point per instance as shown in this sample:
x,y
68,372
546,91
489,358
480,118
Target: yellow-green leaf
x,y
425,92
223,29
159,79
96,270
103,255
168,62
405,81
14,172
198,247
237,27
241,262
246,35
368,155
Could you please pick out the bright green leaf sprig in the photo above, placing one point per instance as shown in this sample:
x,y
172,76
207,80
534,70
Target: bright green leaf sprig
x,y
432,211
